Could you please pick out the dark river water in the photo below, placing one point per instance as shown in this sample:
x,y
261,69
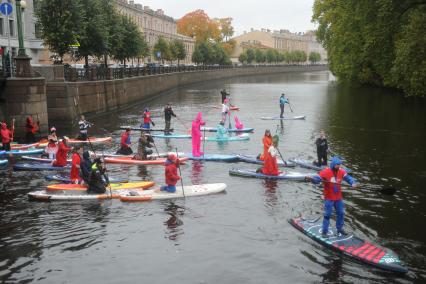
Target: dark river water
x,y
242,236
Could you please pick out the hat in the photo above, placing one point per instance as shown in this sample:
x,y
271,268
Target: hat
x,y
172,156
335,161
53,129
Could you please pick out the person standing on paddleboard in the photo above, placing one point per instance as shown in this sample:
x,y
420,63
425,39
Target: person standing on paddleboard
x,y
270,166
6,137
125,143
225,110
147,121
196,135
224,95
267,142
322,147
332,178
83,125
168,112
283,101
171,164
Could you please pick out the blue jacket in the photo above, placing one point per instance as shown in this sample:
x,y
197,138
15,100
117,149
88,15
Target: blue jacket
x,y
283,101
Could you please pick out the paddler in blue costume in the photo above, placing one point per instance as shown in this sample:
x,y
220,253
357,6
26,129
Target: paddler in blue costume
x,y
85,167
283,101
332,178
222,132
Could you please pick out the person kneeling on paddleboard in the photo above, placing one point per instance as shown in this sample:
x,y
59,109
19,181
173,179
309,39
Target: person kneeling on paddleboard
x,y
270,166
75,164
61,155
86,167
97,176
125,143
172,164
222,132
144,142
332,178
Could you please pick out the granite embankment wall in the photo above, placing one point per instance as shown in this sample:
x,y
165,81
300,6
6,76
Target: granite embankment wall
x,y
67,100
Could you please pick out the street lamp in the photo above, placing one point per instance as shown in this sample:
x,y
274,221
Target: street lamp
x,y
23,66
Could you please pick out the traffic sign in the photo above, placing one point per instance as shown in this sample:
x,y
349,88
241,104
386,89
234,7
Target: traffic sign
x,y
6,8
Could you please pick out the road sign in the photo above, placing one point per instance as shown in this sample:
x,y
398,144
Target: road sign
x,y
6,8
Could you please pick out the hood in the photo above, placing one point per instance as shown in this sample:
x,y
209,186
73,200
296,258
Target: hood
x,y
29,120
335,161
199,116
86,155
146,109
3,126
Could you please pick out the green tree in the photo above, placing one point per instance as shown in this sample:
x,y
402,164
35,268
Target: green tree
x,y
250,55
197,55
259,55
161,48
243,57
178,50
61,22
314,57
270,55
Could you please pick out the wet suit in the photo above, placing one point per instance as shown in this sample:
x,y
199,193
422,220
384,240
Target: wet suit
x,y
96,182
168,113
322,148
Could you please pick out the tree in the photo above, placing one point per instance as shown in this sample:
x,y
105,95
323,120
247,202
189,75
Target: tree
x,y
229,46
197,55
198,25
259,55
250,55
61,22
225,27
314,57
270,55
178,50
161,50
243,57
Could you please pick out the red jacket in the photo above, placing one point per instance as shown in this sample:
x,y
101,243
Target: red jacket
x,y
171,172
61,156
6,134
31,126
76,159
147,117
125,139
333,188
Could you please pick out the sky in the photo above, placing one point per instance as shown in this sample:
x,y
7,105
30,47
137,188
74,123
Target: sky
x,y
292,15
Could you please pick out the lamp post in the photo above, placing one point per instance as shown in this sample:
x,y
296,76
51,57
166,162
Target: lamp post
x,y
23,65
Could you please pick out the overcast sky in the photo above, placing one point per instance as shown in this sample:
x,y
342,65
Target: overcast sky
x,y
293,15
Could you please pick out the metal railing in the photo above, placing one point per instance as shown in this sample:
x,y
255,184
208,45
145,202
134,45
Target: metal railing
x,y
72,74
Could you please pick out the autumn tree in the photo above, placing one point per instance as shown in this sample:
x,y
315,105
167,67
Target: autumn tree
x,y
225,27
198,25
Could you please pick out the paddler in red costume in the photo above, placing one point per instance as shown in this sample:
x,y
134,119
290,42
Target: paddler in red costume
x,y
31,129
147,119
267,142
75,164
6,137
270,166
61,155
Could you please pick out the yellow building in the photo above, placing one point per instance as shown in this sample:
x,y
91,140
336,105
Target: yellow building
x,y
281,40
155,24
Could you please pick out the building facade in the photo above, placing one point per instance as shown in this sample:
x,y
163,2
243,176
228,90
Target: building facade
x,y
155,24
9,34
281,40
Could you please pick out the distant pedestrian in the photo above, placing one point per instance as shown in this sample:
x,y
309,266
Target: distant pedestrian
x,y
322,148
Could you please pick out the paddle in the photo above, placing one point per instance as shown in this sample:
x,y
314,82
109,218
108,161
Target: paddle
x,y
155,146
13,129
229,110
289,105
184,125
282,158
180,173
382,189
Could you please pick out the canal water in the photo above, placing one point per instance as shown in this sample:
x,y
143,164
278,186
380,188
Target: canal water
x,y
243,235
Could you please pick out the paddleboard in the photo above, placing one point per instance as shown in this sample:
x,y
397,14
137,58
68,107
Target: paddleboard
x,y
114,186
252,173
234,130
23,146
213,157
144,129
190,190
301,117
22,152
65,178
310,165
242,137
43,195
172,136
92,140
254,160
39,167
3,162
350,245
39,159
154,155
130,161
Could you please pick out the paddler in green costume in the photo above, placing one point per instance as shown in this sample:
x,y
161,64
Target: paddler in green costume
x,y
222,132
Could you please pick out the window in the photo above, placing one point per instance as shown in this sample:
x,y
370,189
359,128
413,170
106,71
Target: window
x,y
1,26
11,28
37,31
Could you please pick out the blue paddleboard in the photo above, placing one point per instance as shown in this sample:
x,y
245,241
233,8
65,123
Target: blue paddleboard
x,y
22,152
172,136
252,173
213,157
242,137
38,167
254,160
350,245
3,162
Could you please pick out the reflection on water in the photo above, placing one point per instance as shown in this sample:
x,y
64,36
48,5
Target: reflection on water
x,y
174,221
197,172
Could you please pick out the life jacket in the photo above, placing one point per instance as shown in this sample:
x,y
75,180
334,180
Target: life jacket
x,y
6,134
147,117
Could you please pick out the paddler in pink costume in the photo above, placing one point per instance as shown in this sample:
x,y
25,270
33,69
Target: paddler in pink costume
x,y
238,124
196,135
